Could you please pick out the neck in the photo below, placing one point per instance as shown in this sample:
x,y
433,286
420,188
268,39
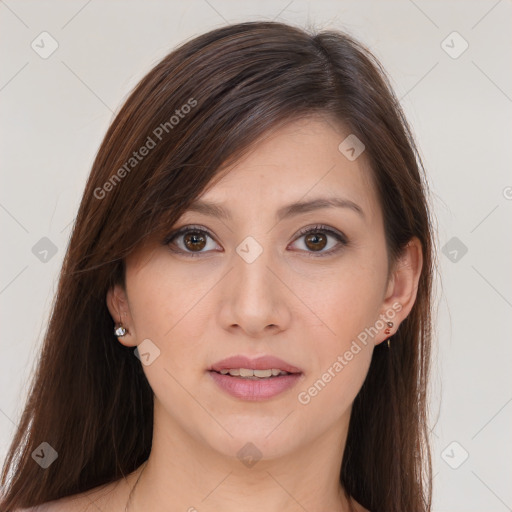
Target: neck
x,y
183,473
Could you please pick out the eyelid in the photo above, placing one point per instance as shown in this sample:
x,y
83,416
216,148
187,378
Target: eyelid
x,y
324,228
185,229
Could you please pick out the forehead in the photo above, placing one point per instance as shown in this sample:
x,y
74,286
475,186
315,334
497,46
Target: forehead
x,y
299,161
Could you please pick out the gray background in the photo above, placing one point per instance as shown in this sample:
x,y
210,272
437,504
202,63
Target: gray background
x,y
54,112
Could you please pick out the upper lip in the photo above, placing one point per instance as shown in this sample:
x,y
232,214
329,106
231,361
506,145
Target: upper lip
x,y
264,362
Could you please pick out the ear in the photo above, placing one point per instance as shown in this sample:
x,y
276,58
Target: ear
x,y
402,288
117,303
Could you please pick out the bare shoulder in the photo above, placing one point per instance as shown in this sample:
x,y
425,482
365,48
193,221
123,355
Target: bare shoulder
x,y
75,503
70,503
105,498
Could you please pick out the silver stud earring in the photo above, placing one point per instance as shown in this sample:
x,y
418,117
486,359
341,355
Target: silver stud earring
x,y
120,331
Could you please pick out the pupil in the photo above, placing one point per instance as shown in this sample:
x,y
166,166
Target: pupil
x,y
316,239
192,239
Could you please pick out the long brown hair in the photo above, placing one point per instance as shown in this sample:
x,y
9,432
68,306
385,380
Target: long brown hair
x,y
199,109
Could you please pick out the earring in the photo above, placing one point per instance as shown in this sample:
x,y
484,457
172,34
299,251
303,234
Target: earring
x,y
120,331
388,331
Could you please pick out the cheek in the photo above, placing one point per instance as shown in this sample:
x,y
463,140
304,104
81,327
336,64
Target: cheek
x,y
160,295
165,309
346,297
347,304
340,359
169,307
326,398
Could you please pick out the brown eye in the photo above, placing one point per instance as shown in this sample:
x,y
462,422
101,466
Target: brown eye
x,y
320,240
316,241
194,240
191,241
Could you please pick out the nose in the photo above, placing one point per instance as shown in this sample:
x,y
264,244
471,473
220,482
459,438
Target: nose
x,y
255,299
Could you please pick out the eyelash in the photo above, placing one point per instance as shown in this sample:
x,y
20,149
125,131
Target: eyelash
x,y
343,242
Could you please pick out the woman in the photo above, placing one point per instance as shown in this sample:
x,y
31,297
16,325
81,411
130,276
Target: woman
x,y
243,318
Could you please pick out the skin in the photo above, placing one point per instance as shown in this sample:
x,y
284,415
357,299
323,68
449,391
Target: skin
x,y
304,309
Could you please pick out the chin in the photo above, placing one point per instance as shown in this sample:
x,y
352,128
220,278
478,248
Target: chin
x,y
254,442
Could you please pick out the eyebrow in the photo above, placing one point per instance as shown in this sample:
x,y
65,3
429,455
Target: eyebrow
x,y
290,210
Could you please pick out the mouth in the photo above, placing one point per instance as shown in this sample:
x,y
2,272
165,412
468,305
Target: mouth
x,y
254,367
254,379
248,373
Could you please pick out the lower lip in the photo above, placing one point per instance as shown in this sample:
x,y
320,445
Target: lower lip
x,y
248,389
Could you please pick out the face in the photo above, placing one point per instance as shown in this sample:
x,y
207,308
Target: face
x,y
307,285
